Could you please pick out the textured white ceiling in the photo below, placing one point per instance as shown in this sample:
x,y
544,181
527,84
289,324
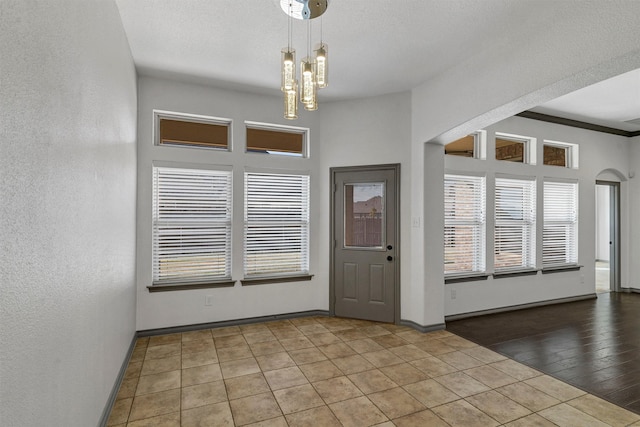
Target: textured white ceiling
x,y
375,46
610,103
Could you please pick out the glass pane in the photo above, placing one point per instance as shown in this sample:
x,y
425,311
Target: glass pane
x,y
510,150
462,147
364,215
555,156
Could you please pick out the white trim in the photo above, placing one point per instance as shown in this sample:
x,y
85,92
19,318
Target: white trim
x,y
480,144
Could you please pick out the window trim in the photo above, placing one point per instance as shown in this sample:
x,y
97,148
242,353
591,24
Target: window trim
x,y
305,132
529,149
191,118
479,145
572,152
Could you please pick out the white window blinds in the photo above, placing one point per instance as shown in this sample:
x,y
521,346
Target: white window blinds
x,y
191,226
276,235
464,224
515,224
560,236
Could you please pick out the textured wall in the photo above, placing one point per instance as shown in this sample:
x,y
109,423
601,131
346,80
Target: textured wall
x,y
634,213
67,217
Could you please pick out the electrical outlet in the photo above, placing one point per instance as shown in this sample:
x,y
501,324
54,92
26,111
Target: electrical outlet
x,y
453,294
415,222
208,300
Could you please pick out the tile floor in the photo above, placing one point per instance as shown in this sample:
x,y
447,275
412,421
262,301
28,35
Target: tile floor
x,y
324,371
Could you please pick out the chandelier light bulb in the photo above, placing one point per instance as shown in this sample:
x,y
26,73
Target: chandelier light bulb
x,y
288,69
291,102
322,66
308,91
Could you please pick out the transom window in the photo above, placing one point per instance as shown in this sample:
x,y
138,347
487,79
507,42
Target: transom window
x,y
189,130
472,145
514,148
560,154
275,139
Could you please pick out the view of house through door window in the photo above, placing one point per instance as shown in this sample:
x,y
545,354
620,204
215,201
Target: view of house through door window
x,y
364,215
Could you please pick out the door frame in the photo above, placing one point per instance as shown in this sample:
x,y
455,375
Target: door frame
x,y
395,167
614,234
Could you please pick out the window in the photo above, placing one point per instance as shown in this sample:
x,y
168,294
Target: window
x,y
472,145
185,130
515,148
275,139
560,236
464,224
560,154
276,229
515,224
191,226
555,156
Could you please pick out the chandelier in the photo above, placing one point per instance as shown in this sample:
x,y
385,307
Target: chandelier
x,y
313,69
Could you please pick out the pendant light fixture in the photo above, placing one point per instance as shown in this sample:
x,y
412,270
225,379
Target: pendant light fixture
x,y
313,69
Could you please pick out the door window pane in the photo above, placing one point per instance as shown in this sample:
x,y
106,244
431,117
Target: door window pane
x,y
364,215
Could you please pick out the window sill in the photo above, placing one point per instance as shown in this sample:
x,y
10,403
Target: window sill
x,y
513,273
465,278
561,268
282,279
189,286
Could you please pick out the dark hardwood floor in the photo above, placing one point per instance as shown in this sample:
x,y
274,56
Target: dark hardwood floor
x,y
592,344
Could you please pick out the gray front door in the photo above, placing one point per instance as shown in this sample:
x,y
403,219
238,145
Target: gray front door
x,y
365,254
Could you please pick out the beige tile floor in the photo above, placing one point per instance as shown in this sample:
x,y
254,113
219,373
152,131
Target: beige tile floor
x,y
324,371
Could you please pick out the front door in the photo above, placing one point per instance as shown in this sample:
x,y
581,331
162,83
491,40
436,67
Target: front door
x,y
365,251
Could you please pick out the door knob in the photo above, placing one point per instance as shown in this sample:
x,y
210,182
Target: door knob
x,y
389,258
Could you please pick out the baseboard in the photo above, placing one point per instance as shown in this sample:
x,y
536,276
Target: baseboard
x,y
422,328
453,317
630,290
236,322
116,386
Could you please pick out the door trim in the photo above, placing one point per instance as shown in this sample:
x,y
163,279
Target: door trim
x,y
614,233
395,167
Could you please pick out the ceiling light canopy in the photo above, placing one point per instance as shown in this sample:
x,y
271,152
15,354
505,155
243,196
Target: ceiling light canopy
x,y
313,69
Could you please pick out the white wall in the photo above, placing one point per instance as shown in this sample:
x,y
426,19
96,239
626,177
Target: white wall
x,y
187,307
67,217
634,213
369,131
597,152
